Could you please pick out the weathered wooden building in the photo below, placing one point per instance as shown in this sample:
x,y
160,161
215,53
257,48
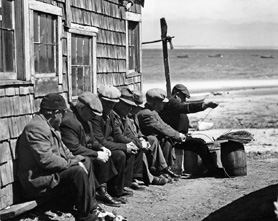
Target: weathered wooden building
x,y
64,46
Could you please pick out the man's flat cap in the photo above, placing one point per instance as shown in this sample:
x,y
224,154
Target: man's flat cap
x,y
127,96
138,98
109,93
90,99
181,88
53,102
156,94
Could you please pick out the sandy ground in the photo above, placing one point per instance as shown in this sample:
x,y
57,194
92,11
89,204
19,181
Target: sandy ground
x,y
248,197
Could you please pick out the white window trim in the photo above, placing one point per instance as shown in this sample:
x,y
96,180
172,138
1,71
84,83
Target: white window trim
x,y
11,75
32,6
130,16
88,31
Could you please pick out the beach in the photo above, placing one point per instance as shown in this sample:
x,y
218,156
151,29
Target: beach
x,y
244,197
251,107
248,104
202,87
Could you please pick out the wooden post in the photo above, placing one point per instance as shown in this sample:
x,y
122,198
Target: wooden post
x,y
163,26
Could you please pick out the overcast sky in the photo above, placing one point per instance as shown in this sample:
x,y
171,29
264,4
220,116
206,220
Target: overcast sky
x,y
213,23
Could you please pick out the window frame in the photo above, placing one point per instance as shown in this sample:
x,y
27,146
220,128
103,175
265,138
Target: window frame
x,y
11,75
29,49
89,32
133,17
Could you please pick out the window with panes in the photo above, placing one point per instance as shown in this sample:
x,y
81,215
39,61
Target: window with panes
x,y
133,47
7,40
81,65
45,42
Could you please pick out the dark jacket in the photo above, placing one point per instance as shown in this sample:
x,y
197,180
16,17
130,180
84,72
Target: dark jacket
x,y
104,132
133,124
74,136
123,132
41,156
150,123
174,113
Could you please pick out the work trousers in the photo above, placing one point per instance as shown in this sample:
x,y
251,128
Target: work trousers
x,y
104,171
138,165
84,186
116,183
168,151
154,155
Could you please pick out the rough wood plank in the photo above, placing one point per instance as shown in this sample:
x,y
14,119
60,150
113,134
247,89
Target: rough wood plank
x,y
17,209
2,92
6,197
16,91
31,100
21,124
4,104
68,14
13,148
6,173
13,127
11,106
25,104
5,152
23,90
15,101
10,91
4,125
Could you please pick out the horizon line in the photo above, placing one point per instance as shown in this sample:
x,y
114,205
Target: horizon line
x,y
218,48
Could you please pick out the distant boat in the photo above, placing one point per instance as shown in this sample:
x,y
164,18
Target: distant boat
x,y
267,56
183,56
216,56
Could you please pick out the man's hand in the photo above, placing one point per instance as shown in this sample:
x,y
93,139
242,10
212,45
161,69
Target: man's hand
x,y
182,137
102,156
131,148
106,150
145,144
75,160
210,104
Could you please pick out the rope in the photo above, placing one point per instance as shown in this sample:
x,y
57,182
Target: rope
x,y
202,120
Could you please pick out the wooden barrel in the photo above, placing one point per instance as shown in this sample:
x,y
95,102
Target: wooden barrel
x,y
193,163
233,158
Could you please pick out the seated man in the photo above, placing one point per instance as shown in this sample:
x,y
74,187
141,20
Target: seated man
x,y
73,135
151,124
103,130
156,160
124,134
175,113
45,163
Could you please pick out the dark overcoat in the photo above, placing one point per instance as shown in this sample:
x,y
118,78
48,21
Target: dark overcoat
x,y
41,156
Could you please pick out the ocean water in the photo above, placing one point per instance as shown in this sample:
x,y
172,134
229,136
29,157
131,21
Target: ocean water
x,y
235,64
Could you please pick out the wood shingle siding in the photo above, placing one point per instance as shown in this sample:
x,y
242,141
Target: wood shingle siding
x,y
20,98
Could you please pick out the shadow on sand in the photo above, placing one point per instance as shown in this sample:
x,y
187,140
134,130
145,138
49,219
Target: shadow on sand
x,y
257,205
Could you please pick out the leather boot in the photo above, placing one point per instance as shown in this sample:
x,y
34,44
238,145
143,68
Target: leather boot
x,y
103,197
171,173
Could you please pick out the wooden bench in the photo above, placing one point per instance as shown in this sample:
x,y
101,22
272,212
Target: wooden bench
x,y
17,209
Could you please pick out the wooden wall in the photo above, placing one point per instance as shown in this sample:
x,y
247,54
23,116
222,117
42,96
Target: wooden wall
x,y
108,17
18,102
17,106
